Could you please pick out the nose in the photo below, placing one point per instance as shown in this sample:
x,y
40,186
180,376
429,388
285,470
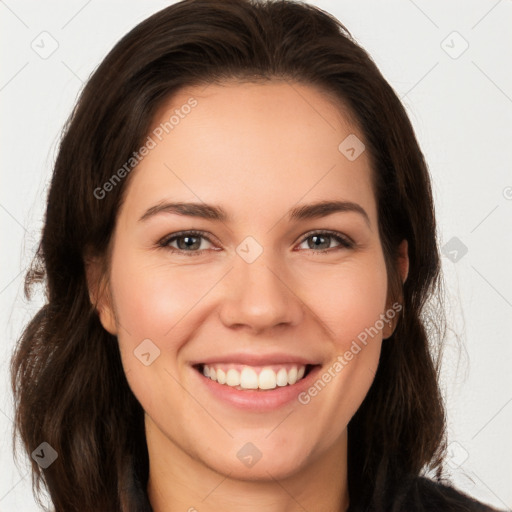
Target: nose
x,y
259,296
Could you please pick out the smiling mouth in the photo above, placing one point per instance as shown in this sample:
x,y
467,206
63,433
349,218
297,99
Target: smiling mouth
x,y
256,378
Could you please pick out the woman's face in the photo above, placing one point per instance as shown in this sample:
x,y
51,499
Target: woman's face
x,y
259,291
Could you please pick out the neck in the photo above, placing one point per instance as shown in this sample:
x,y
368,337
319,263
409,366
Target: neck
x,y
178,482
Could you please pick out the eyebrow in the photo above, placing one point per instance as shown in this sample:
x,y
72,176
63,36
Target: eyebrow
x,y
217,213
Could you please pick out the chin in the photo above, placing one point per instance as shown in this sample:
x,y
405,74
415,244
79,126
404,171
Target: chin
x,y
260,460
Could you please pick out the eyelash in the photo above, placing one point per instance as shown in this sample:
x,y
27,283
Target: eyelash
x,y
344,242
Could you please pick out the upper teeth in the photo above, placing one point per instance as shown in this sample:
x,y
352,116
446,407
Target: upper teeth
x,y
247,378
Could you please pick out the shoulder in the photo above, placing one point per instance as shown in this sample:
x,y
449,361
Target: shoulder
x,y
430,495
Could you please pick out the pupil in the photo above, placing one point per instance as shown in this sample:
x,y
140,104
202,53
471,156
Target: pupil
x,y
317,238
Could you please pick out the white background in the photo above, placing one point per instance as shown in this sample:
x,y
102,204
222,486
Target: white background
x,y
461,109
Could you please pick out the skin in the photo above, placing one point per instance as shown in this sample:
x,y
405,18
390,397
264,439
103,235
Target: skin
x,y
257,150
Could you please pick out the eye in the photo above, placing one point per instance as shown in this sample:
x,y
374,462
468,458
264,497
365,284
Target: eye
x,y
188,242
322,240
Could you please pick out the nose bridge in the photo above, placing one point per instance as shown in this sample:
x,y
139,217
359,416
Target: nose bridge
x,y
258,295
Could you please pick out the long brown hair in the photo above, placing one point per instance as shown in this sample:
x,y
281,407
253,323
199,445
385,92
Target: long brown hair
x,y
67,377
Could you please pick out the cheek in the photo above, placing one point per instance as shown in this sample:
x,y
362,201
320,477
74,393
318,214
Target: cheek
x,y
352,310
349,298
350,302
151,299
153,302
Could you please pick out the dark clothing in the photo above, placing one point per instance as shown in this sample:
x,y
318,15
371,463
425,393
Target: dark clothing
x,y
438,497
425,495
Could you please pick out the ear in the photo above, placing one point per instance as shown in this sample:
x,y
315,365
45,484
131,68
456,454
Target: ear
x,y
99,293
403,269
403,259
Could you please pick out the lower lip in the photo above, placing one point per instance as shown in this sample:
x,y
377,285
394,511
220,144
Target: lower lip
x,y
255,400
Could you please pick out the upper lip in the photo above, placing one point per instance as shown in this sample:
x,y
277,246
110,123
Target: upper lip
x,y
256,359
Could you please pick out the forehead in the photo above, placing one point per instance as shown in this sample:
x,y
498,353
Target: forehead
x,y
247,144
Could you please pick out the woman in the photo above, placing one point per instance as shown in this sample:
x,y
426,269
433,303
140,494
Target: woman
x,y
239,244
